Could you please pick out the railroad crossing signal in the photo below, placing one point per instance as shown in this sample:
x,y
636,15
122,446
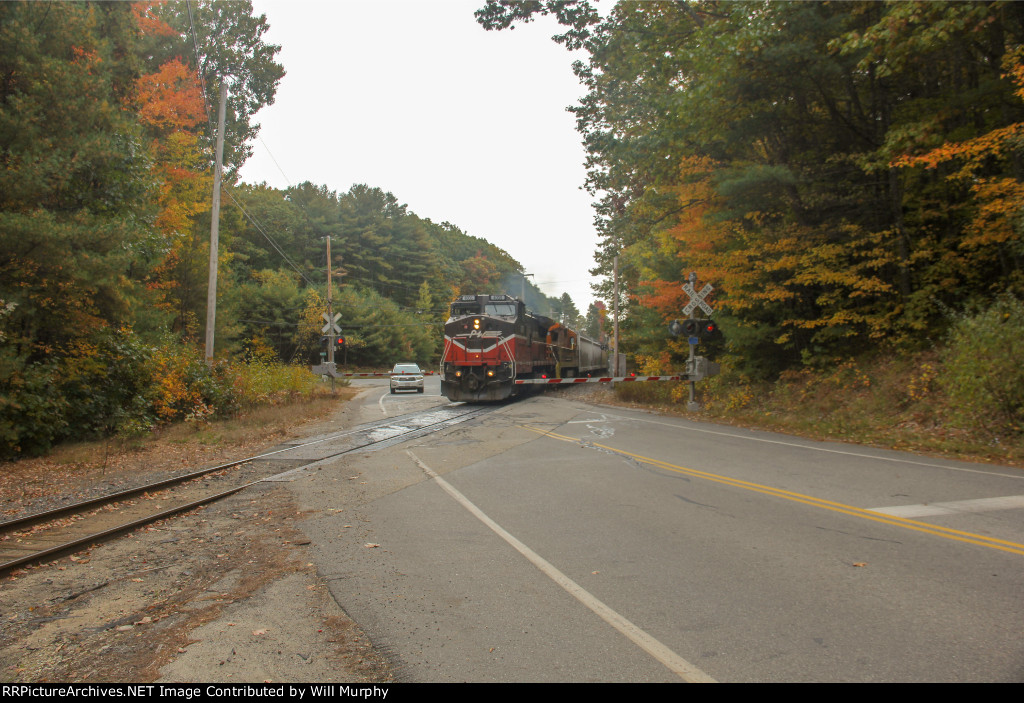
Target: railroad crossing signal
x,y
331,327
697,367
697,299
694,329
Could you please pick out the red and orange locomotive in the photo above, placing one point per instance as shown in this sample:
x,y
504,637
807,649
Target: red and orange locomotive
x,y
491,340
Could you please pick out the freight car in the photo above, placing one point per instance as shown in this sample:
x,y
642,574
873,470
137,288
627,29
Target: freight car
x,y
491,340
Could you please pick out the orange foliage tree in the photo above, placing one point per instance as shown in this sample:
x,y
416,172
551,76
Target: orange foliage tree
x,y
989,166
170,105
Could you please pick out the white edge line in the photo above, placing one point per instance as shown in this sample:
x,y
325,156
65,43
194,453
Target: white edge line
x,y
684,669
821,449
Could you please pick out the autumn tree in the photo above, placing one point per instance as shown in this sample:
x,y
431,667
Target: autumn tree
x,y
225,41
75,199
189,50
843,172
74,182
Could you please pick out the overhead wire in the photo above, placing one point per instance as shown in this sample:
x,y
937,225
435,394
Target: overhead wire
x,y
233,196
209,119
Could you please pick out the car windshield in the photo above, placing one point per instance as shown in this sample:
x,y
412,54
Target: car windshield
x,y
406,368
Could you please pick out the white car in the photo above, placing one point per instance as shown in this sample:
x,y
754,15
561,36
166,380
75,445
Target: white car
x,y
406,377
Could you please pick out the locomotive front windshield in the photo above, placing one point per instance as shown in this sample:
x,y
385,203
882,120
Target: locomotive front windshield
x,y
461,309
500,309
491,308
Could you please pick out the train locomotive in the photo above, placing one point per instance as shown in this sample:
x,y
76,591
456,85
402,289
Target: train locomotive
x,y
492,340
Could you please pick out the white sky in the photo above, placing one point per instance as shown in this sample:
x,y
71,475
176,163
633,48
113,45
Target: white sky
x,y
459,123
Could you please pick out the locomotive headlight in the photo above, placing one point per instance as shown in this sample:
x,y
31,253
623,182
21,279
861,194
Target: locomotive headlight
x,y
490,372
476,323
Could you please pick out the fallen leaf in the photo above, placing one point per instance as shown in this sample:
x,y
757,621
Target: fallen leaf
x,y
259,632
371,545
860,563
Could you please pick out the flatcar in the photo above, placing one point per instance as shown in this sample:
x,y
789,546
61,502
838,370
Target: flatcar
x,y
492,340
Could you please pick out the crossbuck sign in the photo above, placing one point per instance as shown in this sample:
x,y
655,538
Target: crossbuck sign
x,y
697,299
331,327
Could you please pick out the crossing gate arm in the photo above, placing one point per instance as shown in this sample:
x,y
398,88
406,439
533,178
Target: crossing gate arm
x,y
378,375
605,379
328,370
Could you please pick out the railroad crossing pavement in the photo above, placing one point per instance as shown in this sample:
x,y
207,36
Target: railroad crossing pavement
x,y
387,404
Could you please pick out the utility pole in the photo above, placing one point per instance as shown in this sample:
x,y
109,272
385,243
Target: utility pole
x,y
330,308
211,291
330,313
615,312
522,294
693,406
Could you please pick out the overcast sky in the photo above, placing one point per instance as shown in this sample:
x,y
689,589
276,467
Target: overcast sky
x,y
462,125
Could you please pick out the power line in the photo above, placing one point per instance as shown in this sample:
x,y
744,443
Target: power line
x,y
270,239
228,189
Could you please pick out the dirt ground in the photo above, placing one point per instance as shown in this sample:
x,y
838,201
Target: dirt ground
x,y
194,598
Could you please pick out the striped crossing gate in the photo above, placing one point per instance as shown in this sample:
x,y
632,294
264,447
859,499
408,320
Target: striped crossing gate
x,y
604,379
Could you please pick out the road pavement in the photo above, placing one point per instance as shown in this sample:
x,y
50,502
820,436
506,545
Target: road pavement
x,y
554,540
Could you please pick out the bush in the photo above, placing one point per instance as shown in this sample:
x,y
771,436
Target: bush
x,y
186,388
32,415
982,371
113,383
88,390
262,380
106,383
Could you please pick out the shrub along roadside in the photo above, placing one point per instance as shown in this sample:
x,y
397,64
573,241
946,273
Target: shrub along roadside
x,y
983,369
114,383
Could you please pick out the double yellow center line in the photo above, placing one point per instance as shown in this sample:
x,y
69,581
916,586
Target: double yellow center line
x,y
945,532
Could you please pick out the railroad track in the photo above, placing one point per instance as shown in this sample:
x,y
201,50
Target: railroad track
x,y
33,538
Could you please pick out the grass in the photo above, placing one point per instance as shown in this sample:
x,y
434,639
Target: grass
x,y
237,433
265,418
